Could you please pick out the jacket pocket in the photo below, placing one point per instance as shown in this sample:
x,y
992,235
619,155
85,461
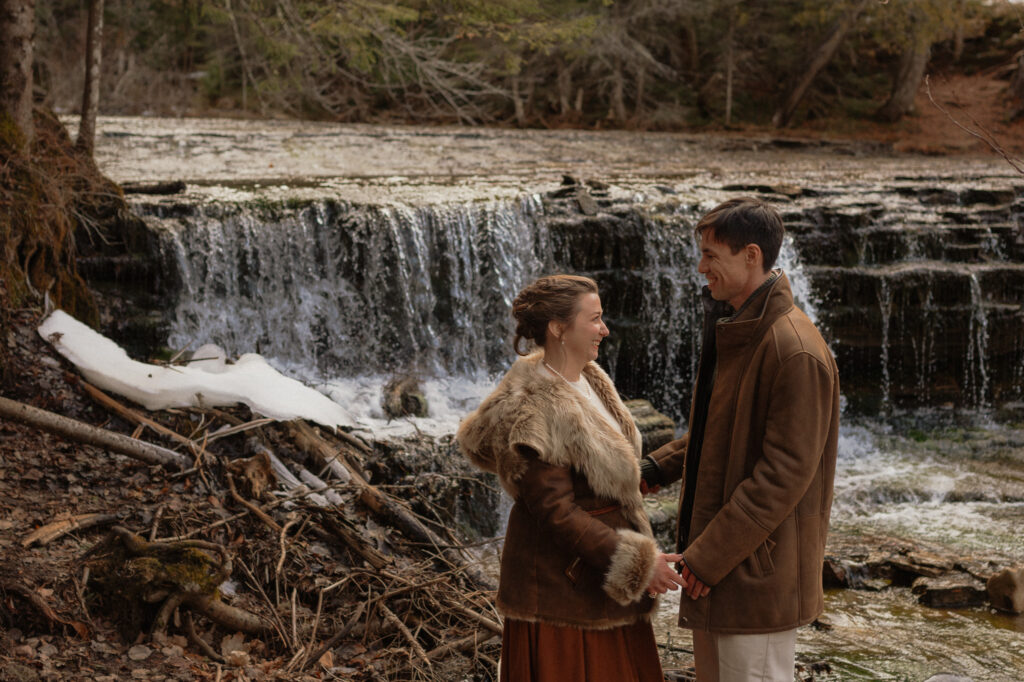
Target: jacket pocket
x,y
763,557
574,570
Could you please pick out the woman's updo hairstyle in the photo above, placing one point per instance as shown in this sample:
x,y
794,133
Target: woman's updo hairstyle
x,y
556,297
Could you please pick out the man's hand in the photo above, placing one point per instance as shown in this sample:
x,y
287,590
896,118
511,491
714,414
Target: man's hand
x,y
691,583
646,489
665,578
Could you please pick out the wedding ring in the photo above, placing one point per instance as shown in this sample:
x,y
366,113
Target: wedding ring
x,y
652,595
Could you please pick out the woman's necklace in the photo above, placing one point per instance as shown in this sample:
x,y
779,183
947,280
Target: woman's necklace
x,y
582,378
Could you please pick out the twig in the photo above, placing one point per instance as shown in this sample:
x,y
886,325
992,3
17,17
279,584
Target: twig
x,y
295,622
284,547
316,626
193,636
390,617
36,600
982,133
260,514
217,524
475,639
336,638
52,531
278,624
232,430
478,617
156,522
133,416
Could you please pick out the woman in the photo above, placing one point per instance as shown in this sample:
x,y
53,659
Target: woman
x,y
579,571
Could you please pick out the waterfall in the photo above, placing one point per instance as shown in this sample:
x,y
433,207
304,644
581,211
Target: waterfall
x,y
332,289
347,296
975,368
885,308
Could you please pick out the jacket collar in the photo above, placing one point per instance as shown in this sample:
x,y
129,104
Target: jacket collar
x,y
528,369
770,302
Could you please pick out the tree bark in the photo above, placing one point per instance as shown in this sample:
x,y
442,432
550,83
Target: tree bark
x,y
909,75
618,105
564,88
819,60
641,80
517,103
730,65
1017,90
17,36
958,31
91,91
692,44
72,429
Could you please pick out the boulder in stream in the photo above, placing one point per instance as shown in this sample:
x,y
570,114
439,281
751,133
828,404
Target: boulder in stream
x,y
655,428
403,397
1006,590
953,591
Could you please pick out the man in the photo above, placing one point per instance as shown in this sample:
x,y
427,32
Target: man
x,y
759,459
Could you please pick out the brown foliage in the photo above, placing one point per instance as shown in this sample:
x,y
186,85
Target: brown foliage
x,y
48,199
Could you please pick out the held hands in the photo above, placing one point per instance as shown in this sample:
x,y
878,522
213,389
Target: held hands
x,y
646,489
694,587
665,578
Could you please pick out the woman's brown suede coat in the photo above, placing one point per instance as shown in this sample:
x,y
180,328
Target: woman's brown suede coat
x,y
764,484
578,548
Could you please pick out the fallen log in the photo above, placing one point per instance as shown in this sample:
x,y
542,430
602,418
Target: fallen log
x,y
80,432
133,416
56,529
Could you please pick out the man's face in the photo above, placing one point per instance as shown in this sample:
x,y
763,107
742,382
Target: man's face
x,y
727,273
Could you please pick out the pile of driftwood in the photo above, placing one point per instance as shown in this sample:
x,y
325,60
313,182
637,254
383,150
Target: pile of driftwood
x,y
297,559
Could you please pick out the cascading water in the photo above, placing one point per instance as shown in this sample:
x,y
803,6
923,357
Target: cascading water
x,y
347,296
975,368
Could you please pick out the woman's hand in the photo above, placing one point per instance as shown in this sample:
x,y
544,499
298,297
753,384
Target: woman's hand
x,y
665,578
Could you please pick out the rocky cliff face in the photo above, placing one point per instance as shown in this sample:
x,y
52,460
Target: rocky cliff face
x,y
918,285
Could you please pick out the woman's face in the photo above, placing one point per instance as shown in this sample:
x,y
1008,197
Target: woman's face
x,y
584,335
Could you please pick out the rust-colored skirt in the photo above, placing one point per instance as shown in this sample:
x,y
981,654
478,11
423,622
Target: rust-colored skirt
x,y
539,652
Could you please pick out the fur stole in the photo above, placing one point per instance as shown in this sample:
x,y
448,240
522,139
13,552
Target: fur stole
x,y
547,415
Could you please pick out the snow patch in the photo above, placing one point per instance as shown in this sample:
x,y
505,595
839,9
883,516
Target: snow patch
x,y
209,383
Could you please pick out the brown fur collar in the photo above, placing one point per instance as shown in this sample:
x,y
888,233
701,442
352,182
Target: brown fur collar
x,y
531,409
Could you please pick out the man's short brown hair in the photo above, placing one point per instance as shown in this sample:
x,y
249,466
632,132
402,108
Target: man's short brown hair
x,y
745,220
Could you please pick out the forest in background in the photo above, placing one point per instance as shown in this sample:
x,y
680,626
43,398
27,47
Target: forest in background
x,y
647,64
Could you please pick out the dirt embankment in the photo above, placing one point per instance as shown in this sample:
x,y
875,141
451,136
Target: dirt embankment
x,y
157,574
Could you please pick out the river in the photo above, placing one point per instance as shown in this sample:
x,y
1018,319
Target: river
x,y
349,254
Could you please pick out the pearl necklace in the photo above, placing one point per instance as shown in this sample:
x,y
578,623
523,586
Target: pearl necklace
x,y
586,383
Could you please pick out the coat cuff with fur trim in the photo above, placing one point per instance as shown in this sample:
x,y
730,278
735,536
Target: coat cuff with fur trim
x,y
631,568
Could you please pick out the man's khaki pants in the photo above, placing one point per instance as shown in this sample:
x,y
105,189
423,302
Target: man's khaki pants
x,y
744,658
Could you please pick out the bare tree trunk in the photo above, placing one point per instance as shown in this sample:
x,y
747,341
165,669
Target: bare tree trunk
x,y
246,73
91,92
958,31
641,78
618,108
730,65
821,57
1017,90
907,82
517,101
564,87
691,43
17,35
